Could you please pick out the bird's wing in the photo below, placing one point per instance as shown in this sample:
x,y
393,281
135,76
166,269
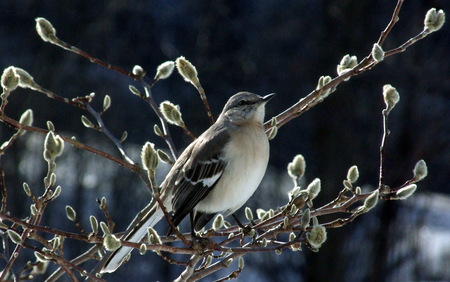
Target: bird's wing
x,y
200,172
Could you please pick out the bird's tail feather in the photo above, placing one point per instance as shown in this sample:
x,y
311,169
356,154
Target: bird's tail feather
x,y
149,216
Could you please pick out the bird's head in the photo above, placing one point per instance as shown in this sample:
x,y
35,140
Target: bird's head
x,y
245,107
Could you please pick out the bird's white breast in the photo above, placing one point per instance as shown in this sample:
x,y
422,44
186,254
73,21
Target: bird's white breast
x,y
247,163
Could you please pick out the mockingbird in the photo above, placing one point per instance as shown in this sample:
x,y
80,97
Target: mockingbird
x,y
216,173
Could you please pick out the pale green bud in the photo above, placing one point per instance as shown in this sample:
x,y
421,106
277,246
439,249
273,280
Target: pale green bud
x,y
142,249
241,263
40,257
106,102
317,236
57,192
164,70
260,213
124,136
53,146
111,242
27,189
104,228
10,79
149,157
50,126
226,224
353,174
187,70
45,30
391,96
171,113
218,222
158,131
70,213
305,219
86,122
377,53
14,236
347,63
208,260
323,80
314,188
420,170
371,201
278,252
434,20
134,90
25,79
358,190
227,262
152,233
248,213
405,192
292,236
94,224
138,71
33,210
296,168
272,132
163,156
264,242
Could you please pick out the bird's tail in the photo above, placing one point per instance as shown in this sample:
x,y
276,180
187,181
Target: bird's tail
x,y
149,216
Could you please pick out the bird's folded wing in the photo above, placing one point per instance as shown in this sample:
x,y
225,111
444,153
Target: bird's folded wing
x,y
200,172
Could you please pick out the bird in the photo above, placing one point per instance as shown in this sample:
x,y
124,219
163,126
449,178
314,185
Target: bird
x,y
217,173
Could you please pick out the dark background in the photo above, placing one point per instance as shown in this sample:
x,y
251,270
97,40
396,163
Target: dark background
x,y
260,46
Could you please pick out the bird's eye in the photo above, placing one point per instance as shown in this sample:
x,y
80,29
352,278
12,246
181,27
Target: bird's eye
x,y
242,103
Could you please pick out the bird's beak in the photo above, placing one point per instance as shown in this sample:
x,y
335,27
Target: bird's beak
x,y
268,97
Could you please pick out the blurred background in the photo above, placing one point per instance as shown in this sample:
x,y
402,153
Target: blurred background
x,y
260,46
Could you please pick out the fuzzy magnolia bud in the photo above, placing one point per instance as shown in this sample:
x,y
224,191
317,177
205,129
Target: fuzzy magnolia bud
x,y
105,228
218,222
320,84
14,236
420,170
142,249
53,146
347,63
111,242
377,53
317,236
45,30
405,192
25,79
314,188
248,213
163,156
434,20
151,233
296,168
171,113
187,70
94,224
149,157
70,213
106,102
158,131
27,118
391,96
10,79
371,201
164,70
138,71
353,174
306,217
